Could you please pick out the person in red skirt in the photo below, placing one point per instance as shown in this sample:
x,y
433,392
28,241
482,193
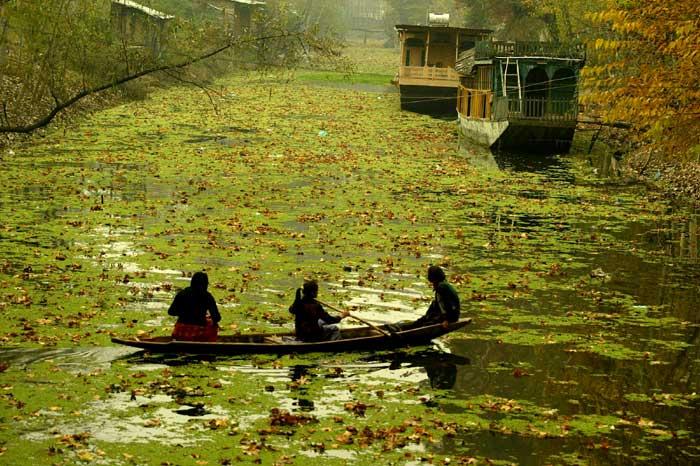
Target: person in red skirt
x,y
197,315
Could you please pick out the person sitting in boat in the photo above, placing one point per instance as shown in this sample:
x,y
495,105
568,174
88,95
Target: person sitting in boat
x,y
197,315
311,321
445,305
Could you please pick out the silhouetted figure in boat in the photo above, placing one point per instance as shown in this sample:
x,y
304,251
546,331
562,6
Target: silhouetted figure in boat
x,y
311,321
445,306
197,315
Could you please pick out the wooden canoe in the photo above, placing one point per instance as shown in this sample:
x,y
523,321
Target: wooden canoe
x,y
353,339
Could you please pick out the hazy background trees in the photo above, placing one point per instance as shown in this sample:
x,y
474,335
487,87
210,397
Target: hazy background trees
x,y
641,68
645,56
55,54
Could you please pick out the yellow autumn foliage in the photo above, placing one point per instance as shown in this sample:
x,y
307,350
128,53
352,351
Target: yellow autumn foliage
x,y
644,68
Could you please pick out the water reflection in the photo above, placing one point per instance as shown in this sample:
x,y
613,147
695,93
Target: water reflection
x,y
441,368
300,374
77,359
194,411
607,164
481,157
677,237
551,164
143,358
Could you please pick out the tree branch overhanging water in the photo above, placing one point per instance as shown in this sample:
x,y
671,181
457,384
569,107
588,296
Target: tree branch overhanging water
x,y
60,106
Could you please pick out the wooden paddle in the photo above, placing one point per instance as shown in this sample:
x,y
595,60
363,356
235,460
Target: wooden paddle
x,y
383,332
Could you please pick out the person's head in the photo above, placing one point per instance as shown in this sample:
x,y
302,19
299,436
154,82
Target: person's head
x,y
200,281
310,289
435,274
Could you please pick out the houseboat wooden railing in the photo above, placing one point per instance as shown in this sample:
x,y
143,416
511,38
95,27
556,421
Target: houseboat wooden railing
x,y
484,104
488,49
428,72
541,109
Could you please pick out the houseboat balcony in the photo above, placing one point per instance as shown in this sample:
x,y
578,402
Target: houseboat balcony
x,y
428,76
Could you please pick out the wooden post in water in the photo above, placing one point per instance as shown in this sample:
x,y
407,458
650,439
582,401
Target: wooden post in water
x,y
693,237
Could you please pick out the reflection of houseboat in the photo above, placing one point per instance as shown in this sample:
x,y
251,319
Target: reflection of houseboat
x,y
519,95
427,78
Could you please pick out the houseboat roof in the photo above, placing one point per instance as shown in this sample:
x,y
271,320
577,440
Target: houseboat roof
x,y
143,9
485,52
420,28
489,49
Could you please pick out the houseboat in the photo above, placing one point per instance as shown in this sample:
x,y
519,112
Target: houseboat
x,y
519,95
427,79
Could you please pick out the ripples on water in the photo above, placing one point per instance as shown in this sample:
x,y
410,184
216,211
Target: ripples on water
x,y
111,418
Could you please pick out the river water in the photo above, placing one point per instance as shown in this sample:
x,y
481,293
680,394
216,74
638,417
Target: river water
x,y
583,289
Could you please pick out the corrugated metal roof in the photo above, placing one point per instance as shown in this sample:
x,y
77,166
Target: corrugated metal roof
x,y
249,2
143,9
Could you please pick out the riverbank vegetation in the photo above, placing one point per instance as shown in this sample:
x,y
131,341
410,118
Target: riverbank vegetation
x,y
59,54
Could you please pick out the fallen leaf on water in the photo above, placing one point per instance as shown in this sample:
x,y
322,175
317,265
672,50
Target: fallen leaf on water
x,y
358,408
217,423
155,422
345,438
281,417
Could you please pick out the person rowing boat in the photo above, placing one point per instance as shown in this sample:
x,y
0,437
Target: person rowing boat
x,y
311,321
444,308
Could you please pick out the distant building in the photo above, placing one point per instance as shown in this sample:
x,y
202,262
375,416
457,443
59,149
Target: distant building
x,y
243,13
139,25
427,78
366,16
366,13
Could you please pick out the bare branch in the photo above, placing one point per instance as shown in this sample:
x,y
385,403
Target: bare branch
x,y
45,120
208,91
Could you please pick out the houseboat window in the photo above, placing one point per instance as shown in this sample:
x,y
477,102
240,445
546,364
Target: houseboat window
x,y
415,42
466,45
415,52
536,90
563,91
414,56
440,38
